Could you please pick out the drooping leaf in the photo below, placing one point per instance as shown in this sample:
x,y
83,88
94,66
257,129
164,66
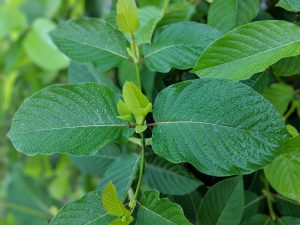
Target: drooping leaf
x,y
111,201
91,40
80,73
86,211
288,221
159,211
169,178
122,173
251,204
287,207
259,219
75,119
219,134
290,5
249,49
284,176
40,48
227,15
178,45
223,203
127,16
280,95
287,67
98,164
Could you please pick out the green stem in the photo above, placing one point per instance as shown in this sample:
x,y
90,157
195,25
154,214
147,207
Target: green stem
x,y
141,166
270,199
136,60
291,110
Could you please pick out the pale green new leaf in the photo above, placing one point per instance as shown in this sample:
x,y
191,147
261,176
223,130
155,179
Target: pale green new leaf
x,y
122,173
290,5
219,134
75,119
91,40
225,201
169,178
40,48
249,49
178,45
284,176
111,201
227,15
154,210
287,67
280,95
85,211
127,16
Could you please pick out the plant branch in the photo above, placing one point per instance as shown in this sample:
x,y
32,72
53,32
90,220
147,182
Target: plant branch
x,y
136,59
141,166
291,110
267,193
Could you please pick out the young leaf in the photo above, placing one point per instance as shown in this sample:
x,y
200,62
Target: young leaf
x,y
91,40
127,16
280,95
169,178
227,15
225,201
284,176
289,5
111,201
122,173
235,57
86,211
162,211
178,45
75,119
219,134
124,112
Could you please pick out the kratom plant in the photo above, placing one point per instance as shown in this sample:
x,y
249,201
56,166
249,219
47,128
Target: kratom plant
x,y
225,122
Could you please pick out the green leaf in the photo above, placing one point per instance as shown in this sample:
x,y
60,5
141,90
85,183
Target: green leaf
x,y
86,211
98,164
169,178
162,211
225,201
127,16
91,40
124,112
122,173
178,45
75,119
11,20
80,73
259,219
287,207
251,204
291,148
219,134
259,82
288,221
227,15
280,95
289,5
287,67
284,176
111,201
41,50
236,57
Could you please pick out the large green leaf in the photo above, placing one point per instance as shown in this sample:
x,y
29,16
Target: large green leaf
x,y
169,178
249,49
225,201
98,164
288,221
76,119
40,48
287,67
226,15
178,45
122,173
280,95
219,134
91,40
86,211
284,175
259,219
290,5
154,210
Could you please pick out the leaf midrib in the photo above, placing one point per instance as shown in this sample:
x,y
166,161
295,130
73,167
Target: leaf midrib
x,y
151,211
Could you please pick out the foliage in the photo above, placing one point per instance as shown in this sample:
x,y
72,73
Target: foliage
x,y
149,112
